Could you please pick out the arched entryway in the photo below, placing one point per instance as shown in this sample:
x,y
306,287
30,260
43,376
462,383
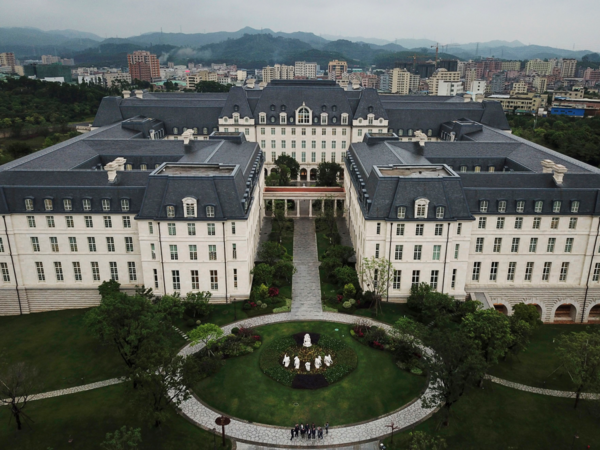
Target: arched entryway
x,y
313,174
594,315
565,313
274,170
303,175
538,309
502,309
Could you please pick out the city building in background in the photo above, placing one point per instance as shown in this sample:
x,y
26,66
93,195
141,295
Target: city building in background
x,y
143,66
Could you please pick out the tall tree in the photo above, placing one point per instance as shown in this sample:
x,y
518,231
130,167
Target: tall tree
x,y
18,382
207,333
328,173
376,273
580,355
290,163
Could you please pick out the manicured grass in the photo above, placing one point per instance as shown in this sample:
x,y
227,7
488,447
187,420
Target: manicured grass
x,y
59,345
87,417
539,365
222,314
390,313
375,387
498,417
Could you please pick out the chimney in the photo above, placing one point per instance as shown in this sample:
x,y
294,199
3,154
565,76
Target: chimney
x,y
120,163
139,93
187,135
126,94
111,170
467,98
547,166
479,98
559,173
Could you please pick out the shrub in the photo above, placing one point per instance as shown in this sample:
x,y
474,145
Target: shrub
x,y
259,303
264,306
376,335
197,304
347,305
346,275
416,371
329,265
235,330
283,270
263,274
257,344
273,292
246,306
352,301
349,290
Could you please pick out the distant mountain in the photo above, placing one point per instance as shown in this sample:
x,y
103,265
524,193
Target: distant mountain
x,y
375,41
75,34
516,53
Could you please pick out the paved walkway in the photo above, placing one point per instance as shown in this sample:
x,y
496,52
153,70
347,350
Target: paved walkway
x,y
76,389
306,286
535,390
367,446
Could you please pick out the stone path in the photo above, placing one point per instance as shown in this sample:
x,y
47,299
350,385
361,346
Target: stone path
x,y
535,390
76,389
306,286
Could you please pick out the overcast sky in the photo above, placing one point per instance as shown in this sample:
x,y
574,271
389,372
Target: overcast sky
x,y
543,22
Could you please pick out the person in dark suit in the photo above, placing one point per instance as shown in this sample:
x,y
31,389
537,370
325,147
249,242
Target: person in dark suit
x,y
292,430
326,427
314,431
296,430
307,431
302,430
320,433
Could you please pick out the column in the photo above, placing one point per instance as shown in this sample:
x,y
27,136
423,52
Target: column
x,y
309,207
297,208
285,208
322,206
335,207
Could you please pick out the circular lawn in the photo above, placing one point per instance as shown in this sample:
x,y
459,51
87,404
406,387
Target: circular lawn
x,y
376,387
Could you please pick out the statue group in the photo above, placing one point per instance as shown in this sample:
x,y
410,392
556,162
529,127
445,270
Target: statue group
x,y
318,362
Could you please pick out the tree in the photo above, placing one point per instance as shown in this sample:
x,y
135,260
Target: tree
x,y
580,355
123,439
327,174
291,164
420,440
263,274
523,322
376,273
345,275
270,252
279,219
18,149
455,363
212,86
198,303
284,270
17,385
207,333
341,252
326,219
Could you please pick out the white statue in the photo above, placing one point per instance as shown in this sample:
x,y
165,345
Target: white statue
x,y
328,360
286,360
307,365
307,342
296,363
317,362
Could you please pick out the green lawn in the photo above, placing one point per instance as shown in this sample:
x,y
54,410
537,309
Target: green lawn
x,y
87,417
59,345
222,314
375,387
539,365
498,417
390,313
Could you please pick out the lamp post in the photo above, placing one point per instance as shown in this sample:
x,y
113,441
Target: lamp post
x,y
223,421
234,310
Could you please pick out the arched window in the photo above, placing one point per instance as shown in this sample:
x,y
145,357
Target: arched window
x,y
370,109
195,130
29,204
429,132
170,211
283,107
409,132
400,132
463,168
439,212
124,204
189,207
303,115
538,206
210,211
67,204
421,208
143,166
323,108
204,130
175,130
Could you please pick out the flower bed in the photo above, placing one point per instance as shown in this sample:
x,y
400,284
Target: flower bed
x,y
271,361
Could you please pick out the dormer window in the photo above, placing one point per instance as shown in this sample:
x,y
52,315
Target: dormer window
x,y
303,115
439,212
282,118
370,109
67,204
29,204
323,108
556,206
401,212
538,206
175,130
575,206
236,108
105,204
204,130
283,107
380,121
272,107
48,206
520,206
370,120
429,132
316,120
262,118
170,211
334,108
124,204
421,208
323,119
502,206
334,120
210,211
344,119
195,130
272,119
400,131
225,119
189,207
409,132
483,206
87,204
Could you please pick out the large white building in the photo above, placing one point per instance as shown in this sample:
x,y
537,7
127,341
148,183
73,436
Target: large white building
x,y
167,191
306,69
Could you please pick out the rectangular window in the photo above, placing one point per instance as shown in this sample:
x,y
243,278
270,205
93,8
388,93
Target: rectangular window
x,y
502,206
437,250
401,214
77,271
50,221
40,271
494,271
54,244
459,229
419,229
191,227
48,206
518,223
35,243
333,156
132,271
124,204
514,248
456,250
476,271
282,144
110,244
5,273
323,157
126,222
500,223
397,279
105,204
573,223
129,244
453,284
155,271
556,206
303,155
479,245
439,229
528,271
153,251
107,222
400,229
235,279
482,223
293,145
575,206
497,245
417,252
31,221
234,251
59,271
212,252
73,244
378,229
546,271
114,271
512,268
95,271
554,223
210,229
176,280
537,222
232,227
172,229
398,252
70,222
87,204
89,223
434,279
28,204
214,280
533,245
313,144
323,144
92,243
313,156
376,250
174,253
564,271
483,206
569,245
193,252
551,244
263,144
416,276
195,279
520,206
538,206
596,276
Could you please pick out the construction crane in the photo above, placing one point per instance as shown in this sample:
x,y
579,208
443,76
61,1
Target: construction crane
x,y
437,47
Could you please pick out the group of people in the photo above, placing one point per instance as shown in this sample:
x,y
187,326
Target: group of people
x,y
308,431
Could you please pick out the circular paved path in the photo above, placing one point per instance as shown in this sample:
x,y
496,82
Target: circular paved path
x,y
239,429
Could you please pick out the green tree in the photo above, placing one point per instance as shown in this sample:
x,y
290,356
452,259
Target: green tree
x,y
290,163
345,275
263,274
341,252
198,303
580,355
327,174
420,440
271,252
123,439
212,86
207,333
18,383
523,322
279,219
18,149
376,273
284,270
